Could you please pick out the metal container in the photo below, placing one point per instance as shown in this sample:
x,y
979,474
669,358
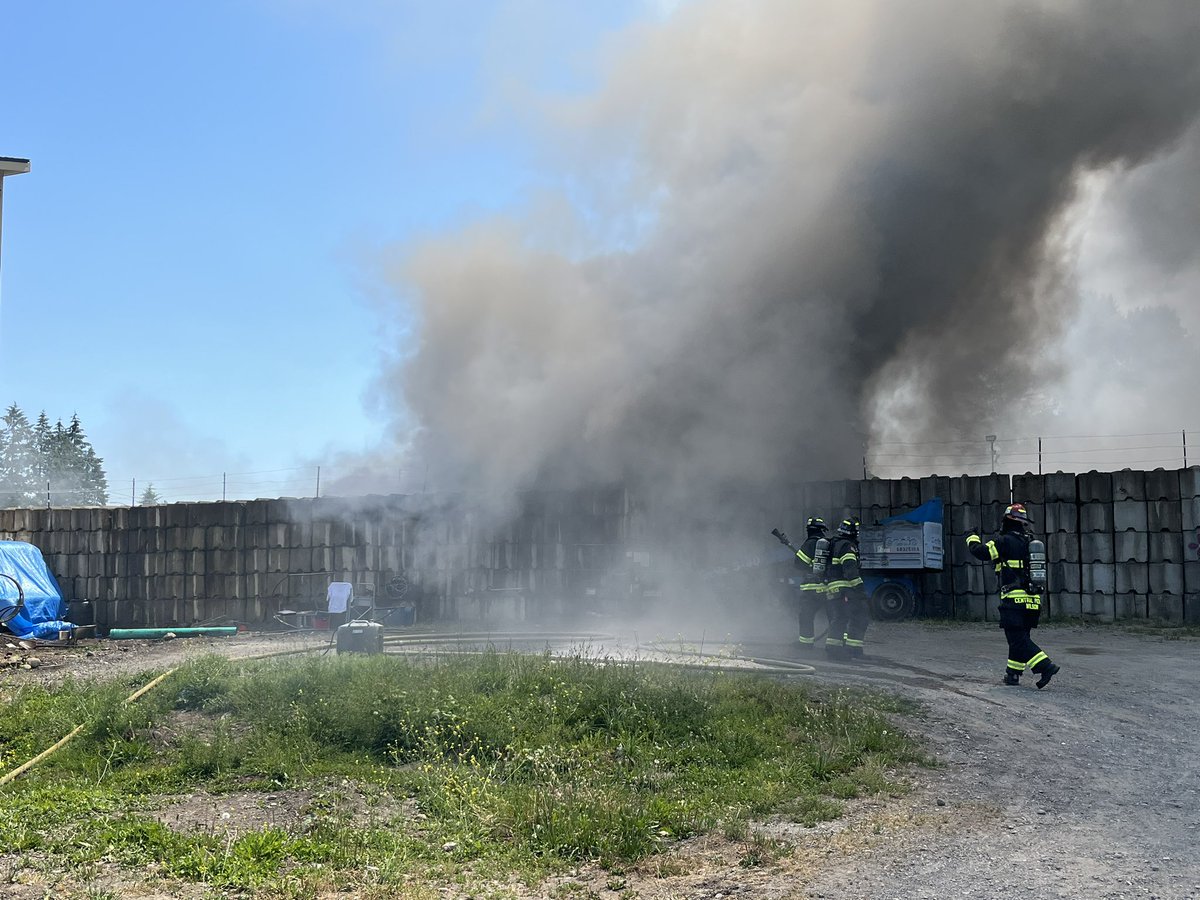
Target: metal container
x,y
901,546
359,636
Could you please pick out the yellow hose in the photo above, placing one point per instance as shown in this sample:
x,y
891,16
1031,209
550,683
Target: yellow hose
x,y
766,666
74,731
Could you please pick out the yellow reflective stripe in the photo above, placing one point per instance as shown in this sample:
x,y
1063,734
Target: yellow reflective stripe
x,y
1012,563
841,585
847,557
993,550
804,557
833,642
806,640
1037,658
1020,595
1018,666
815,587
974,539
851,642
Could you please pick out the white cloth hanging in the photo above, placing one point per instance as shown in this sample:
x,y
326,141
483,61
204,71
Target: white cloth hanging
x,y
338,596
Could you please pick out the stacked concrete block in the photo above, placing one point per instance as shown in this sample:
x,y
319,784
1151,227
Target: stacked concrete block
x,y
876,498
1131,545
935,487
1164,524
972,583
1120,545
1189,500
843,501
1093,521
905,495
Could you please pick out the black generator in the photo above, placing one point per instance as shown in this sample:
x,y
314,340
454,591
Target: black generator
x,y
360,636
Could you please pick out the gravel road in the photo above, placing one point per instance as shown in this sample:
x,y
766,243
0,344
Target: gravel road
x,y
1094,781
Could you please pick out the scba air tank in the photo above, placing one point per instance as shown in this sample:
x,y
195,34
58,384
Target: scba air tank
x,y
821,555
1037,563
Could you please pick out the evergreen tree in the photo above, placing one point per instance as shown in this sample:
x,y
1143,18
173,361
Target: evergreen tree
x,y
150,496
42,432
76,472
32,456
18,460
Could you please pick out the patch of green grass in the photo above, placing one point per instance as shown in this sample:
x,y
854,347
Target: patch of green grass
x,y
515,763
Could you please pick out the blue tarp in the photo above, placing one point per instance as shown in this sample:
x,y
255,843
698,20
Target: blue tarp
x,y
44,613
926,512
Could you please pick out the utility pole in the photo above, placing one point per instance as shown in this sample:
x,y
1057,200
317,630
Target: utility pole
x,y
991,439
9,165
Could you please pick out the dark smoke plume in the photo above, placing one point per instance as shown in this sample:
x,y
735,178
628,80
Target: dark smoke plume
x,y
849,225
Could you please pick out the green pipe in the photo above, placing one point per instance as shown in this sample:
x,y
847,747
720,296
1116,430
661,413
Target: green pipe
x,y
118,634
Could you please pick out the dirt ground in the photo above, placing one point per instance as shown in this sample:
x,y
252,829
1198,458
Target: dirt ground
x,y
1089,789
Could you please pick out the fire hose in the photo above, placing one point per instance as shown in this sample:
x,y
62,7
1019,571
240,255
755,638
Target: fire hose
x,y
434,644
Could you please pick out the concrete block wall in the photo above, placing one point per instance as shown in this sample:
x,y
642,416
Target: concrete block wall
x,y
1122,545
182,564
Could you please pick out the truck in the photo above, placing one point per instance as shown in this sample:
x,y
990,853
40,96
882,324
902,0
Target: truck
x,y
893,554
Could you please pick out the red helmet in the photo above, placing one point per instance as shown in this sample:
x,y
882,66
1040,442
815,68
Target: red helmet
x,y
1015,512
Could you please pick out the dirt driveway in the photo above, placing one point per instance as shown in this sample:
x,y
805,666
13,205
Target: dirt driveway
x,y
1094,781
1089,789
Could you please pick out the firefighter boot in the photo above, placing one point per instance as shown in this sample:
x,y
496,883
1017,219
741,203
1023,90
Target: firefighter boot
x,y
1012,678
835,652
805,647
1047,673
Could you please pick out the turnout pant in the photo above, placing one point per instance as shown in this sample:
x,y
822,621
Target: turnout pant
x,y
849,615
1023,653
808,603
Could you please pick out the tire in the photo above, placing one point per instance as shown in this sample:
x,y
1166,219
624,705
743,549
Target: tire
x,y
892,602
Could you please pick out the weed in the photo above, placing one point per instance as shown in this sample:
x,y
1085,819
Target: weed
x,y
490,766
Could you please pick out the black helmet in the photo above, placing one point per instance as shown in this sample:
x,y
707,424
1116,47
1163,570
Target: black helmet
x,y
848,529
816,527
1015,513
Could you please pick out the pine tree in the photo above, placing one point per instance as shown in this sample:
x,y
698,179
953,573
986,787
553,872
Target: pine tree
x,y
42,433
77,473
32,457
18,460
150,496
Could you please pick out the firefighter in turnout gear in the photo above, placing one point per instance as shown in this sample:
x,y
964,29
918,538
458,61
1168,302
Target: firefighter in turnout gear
x,y
847,606
812,586
1020,598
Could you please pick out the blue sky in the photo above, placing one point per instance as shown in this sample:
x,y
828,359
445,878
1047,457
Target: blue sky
x,y
188,264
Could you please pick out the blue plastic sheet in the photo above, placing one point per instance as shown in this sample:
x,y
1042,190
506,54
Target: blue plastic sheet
x,y
930,511
44,614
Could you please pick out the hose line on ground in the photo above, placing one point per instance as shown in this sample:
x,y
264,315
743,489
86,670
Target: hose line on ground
x,y
434,644
78,728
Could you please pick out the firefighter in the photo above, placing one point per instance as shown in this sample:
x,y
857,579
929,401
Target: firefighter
x,y
849,612
1020,603
812,586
